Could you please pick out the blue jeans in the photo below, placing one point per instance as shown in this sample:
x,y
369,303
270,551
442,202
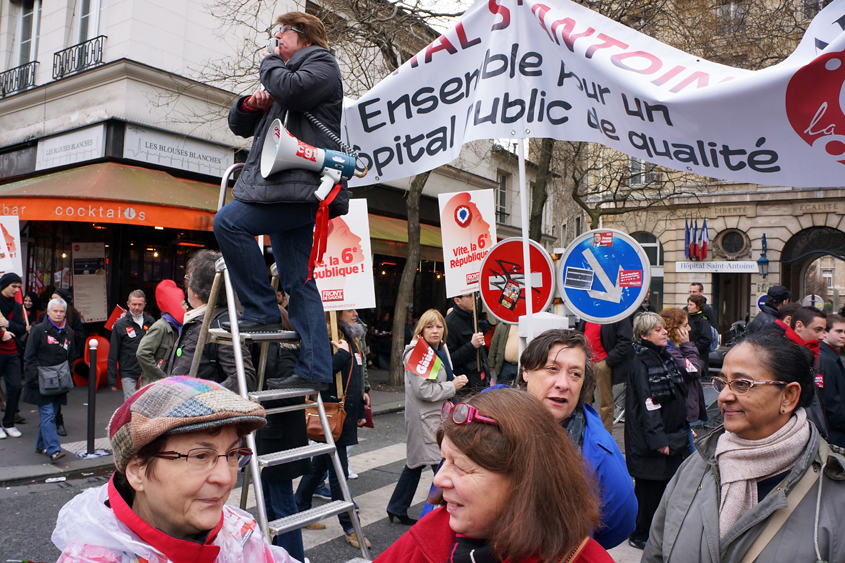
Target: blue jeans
x,y
47,437
280,502
309,484
291,230
406,487
10,370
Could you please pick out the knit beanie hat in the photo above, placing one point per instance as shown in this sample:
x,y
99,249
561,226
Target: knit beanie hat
x,y
66,295
176,405
8,279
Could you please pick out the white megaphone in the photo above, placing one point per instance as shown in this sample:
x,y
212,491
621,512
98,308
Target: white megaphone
x,y
283,151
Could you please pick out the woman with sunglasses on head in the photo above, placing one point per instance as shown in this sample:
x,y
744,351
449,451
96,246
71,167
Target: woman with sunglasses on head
x,y
424,398
555,370
765,486
656,428
512,488
178,444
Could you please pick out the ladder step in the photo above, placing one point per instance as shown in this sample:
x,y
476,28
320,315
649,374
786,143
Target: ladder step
x,y
225,337
286,456
359,560
296,521
273,394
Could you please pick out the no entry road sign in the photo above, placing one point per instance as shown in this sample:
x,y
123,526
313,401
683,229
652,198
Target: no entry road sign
x,y
502,280
603,276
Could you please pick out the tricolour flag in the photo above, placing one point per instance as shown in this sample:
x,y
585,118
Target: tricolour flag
x,y
686,238
693,243
705,238
423,360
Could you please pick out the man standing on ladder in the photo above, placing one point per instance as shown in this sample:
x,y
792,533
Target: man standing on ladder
x,y
299,76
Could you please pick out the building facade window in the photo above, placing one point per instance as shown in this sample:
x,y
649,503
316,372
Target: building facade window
x,y
29,24
733,243
502,198
654,250
90,14
577,226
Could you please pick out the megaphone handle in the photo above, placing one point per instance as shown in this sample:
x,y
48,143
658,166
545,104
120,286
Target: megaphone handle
x,y
329,178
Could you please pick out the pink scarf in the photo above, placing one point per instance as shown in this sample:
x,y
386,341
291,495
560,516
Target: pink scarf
x,y
742,463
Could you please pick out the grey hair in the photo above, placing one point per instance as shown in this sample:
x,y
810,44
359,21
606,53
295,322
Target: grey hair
x,y
56,301
645,323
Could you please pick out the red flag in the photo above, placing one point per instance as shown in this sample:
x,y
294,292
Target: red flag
x,y
693,243
423,361
118,313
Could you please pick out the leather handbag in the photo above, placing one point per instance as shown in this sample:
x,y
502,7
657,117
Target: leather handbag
x,y
335,413
54,380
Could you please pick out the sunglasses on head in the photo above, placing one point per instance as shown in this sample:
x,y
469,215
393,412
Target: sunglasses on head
x,y
463,413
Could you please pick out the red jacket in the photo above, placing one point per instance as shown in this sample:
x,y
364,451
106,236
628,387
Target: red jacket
x,y
431,539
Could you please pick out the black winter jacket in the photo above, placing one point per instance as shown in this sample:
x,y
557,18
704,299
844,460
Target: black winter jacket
x,y
46,346
79,335
13,311
833,371
287,430
767,315
125,337
310,81
700,335
342,361
218,360
650,427
616,339
464,359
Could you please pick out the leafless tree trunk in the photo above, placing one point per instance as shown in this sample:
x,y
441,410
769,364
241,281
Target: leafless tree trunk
x,y
406,283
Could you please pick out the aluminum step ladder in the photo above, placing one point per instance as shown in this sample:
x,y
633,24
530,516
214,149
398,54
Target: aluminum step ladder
x,y
235,338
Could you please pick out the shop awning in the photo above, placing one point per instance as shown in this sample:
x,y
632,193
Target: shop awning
x,y
113,193
386,228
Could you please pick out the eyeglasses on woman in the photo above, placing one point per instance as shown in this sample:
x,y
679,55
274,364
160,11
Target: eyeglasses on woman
x,y
740,386
463,413
204,459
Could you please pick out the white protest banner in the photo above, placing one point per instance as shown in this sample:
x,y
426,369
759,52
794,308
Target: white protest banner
x,y
553,68
10,249
468,228
345,279
89,281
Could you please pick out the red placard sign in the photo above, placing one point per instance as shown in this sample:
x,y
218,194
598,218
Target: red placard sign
x,y
503,277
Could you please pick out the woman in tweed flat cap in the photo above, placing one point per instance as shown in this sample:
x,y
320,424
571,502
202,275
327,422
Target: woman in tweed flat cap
x,y
177,448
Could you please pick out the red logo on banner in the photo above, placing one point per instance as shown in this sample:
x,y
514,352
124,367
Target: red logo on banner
x,y
473,277
423,361
332,295
463,216
814,104
306,151
631,278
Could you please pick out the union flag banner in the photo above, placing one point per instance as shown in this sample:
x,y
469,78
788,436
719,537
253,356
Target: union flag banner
x,y
423,361
554,68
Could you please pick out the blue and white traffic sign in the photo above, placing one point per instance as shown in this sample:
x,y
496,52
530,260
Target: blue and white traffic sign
x,y
762,301
603,276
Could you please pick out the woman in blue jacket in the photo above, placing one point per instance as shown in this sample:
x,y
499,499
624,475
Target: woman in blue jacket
x,y
554,368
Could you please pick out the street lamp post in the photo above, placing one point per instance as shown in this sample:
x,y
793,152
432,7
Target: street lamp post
x,y
762,261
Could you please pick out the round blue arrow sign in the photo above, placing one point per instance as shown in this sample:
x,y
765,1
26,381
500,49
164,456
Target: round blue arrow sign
x,y
603,276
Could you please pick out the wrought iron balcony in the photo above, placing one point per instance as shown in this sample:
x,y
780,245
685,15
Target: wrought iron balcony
x,y
17,79
79,57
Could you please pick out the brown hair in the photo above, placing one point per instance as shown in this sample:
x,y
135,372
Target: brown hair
x,y
137,293
430,317
832,319
199,276
674,319
311,28
552,504
697,300
341,335
536,354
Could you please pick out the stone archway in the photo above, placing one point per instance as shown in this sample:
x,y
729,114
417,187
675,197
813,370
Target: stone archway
x,y
803,248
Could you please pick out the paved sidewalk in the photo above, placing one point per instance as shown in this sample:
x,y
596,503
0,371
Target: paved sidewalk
x,y
19,462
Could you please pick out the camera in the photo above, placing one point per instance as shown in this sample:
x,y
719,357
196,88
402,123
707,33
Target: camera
x,y
272,45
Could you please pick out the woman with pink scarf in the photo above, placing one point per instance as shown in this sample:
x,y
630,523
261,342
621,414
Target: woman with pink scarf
x,y
765,486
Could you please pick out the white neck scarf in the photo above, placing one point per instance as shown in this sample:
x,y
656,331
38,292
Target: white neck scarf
x,y
742,463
